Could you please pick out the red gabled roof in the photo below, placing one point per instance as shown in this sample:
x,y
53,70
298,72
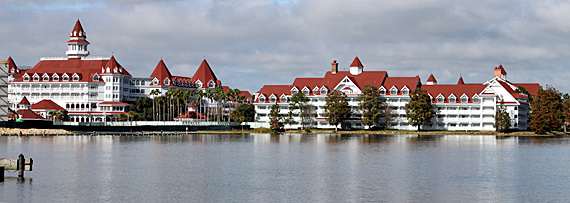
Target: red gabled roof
x,y
532,88
458,90
191,115
310,83
78,29
511,90
83,68
78,35
192,105
431,79
109,103
356,63
374,78
161,72
112,64
277,90
399,82
460,82
246,94
205,74
24,101
29,114
46,104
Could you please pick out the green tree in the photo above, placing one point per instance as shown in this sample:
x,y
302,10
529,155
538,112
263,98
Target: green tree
x,y
337,109
521,89
247,111
419,111
546,110
370,105
388,115
275,118
502,119
298,102
123,117
289,119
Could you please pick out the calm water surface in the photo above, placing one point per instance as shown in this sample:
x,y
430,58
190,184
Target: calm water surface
x,y
289,168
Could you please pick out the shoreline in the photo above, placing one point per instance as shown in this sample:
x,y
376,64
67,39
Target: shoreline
x,y
61,132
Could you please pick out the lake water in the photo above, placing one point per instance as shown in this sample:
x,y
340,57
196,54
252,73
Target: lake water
x,y
289,168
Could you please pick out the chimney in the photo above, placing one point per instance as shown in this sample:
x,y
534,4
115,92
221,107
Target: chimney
x,y
334,67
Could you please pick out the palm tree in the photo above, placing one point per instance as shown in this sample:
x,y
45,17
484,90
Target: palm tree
x,y
178,95
153,94
160,100
169,95
208,94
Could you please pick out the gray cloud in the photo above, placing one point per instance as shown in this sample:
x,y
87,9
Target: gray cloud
x,y
254,42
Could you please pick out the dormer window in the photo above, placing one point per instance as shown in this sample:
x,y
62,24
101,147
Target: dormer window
x,y
382,91
346,80
26,78
166,81
306,91
405,91
476,99
393,91
45,78
272,99
75,78
36,78
115,70
464,99
324,91
108,70
283,99
316,90
440,99
211,84
452,99
55,78
262,99
294,91
96,77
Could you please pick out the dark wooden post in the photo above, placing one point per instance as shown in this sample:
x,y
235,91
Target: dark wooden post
x,y
21,166
1,174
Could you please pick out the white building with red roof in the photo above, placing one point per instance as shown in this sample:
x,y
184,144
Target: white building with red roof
x,y
94,89
459,106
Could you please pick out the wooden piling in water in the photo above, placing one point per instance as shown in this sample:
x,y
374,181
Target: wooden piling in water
x,y
21,166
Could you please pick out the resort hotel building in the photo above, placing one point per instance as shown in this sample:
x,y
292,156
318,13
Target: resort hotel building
x,y
461,106
91,89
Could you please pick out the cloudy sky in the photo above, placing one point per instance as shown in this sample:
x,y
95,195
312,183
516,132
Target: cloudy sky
x,y
249,43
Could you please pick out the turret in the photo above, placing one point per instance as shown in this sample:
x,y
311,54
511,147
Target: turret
x,y
77,44
356,67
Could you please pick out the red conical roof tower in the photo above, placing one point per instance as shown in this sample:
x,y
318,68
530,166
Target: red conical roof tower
x,y
460,82
77,44
205,74
161,72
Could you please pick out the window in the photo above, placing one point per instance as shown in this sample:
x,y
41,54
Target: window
x,y
283,99
295,91
76,78
451,99
166,81
323,91
262,100
393,91
272,99
211,84
65,78
96,78
476,100
306,92
36,78
382,91
346,80
26,78
46,78
440,100
155,82
405,91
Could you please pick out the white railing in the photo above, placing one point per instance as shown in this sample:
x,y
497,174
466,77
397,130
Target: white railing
x,y
149,123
